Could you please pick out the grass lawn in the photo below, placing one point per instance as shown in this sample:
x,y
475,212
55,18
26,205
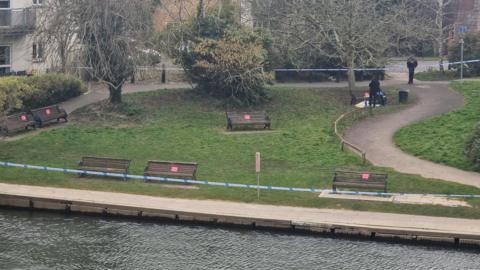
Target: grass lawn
x,y
442,139
301,150
436,75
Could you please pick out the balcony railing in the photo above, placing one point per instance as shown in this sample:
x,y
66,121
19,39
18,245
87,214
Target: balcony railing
x,y
17,21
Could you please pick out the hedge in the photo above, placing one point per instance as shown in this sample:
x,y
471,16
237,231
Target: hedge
x,y
24,93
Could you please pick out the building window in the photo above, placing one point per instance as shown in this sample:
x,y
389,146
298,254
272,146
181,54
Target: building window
x,y
38,2
37,52
5,64
4,3
4,55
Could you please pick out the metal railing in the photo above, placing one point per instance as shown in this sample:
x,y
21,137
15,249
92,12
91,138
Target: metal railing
x,y
17,21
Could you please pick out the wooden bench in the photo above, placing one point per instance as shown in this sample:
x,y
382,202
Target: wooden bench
x,y
185,170
360,180
247,119
102,164
16,122
50,113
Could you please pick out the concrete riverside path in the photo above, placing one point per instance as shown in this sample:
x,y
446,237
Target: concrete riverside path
x,y
237,213
375,135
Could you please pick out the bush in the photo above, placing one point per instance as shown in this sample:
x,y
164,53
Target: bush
x,y
472,148
51,89
12,90
471,52
223,58
24,93
231,67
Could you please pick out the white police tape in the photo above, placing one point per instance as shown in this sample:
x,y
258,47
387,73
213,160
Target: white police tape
x,y
223,184
373,69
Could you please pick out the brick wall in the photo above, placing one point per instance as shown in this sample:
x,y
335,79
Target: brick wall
x,y
467,12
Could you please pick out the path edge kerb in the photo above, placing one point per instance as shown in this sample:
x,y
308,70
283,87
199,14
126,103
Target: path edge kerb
x,y
344,142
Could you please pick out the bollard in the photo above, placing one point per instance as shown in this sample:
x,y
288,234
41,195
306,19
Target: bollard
x,y
403,95
164,74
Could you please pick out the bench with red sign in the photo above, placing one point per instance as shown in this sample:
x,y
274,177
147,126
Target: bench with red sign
x,y
50,113
360,180
248,119
107,165
184,170
16,122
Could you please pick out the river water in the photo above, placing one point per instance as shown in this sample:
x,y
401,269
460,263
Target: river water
x,y
39,240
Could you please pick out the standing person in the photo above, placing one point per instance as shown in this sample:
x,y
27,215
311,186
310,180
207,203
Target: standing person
x,y
411,65
374,90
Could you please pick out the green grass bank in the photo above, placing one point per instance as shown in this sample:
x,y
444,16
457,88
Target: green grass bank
x,y
442,139
300,151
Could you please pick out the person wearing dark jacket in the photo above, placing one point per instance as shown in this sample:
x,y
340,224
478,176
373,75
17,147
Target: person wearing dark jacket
x,y
374,90
411,65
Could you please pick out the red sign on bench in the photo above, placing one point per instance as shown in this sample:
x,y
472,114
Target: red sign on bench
x,y
247,117
365,176
48,111
174,169
23,118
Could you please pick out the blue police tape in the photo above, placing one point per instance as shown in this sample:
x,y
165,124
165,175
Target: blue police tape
x,y
222,184
372,69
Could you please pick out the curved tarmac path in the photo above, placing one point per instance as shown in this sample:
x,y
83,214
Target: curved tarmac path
x,y
375,135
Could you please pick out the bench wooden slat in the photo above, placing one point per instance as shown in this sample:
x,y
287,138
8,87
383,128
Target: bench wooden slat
x,y
247,119
16,122
359,180
171,168
50,113
104,164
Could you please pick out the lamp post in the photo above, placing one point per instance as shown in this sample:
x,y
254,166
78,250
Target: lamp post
x,y
462,42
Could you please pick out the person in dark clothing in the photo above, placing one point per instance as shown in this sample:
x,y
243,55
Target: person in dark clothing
x,y
411,65
374,90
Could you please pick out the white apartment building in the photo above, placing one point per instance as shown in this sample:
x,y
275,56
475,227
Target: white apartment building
x,y
19,52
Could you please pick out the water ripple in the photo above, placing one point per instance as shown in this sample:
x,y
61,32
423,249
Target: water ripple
x,y
49,241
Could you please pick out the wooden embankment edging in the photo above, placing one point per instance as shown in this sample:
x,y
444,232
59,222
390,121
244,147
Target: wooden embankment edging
x,y
294,219
346,144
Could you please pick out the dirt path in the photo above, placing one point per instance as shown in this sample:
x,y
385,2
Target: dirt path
x,y
375,135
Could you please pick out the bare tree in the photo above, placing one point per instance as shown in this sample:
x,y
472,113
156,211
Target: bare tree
x,y
56,32
357,32
108,35
439,23
111,32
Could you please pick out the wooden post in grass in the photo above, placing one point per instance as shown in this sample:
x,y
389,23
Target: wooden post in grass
x,y
257,170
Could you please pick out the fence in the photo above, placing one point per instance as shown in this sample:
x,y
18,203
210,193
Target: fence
x,y
17,20
225,184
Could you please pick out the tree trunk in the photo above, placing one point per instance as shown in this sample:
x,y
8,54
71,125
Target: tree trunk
x,y
441,32
115,94
351,75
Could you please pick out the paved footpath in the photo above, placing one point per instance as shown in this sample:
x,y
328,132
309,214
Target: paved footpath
x,y
99,92
375,135
274,214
